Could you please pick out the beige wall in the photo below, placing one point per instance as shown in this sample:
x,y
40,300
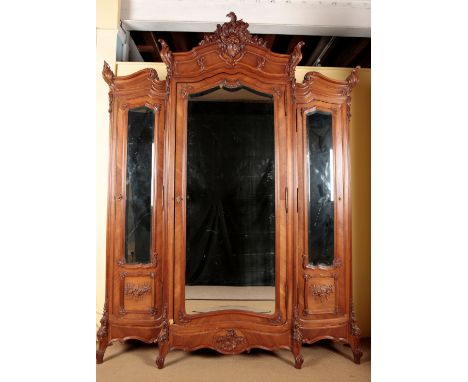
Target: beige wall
x,y
106,33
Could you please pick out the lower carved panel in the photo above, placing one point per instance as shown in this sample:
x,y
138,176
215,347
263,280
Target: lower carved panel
x,y
145,334
228,340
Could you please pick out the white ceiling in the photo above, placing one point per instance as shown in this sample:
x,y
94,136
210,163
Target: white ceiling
x,y
295,17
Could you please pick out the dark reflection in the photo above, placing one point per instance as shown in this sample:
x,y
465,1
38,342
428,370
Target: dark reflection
x,y
320,168
139,185
230,209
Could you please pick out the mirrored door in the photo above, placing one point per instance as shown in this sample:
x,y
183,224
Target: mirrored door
x,y
229,202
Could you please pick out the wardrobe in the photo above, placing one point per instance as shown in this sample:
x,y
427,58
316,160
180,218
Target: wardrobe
x,y
229,202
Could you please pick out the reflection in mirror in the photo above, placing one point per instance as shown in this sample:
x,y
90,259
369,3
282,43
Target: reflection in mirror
x,y
139,188
230,206
320,188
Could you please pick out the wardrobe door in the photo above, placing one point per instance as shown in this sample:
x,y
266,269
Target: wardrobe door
x,y
320,194
139,211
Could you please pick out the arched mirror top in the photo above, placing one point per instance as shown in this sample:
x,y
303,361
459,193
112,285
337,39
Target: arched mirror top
x,y
231,48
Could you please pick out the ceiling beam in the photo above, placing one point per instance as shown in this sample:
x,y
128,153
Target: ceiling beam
x,y
180,41
150,40
352,50
321,44
305,17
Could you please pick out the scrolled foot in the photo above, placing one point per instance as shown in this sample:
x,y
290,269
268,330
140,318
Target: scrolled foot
x,y
99,356
160,362
299,359
357,353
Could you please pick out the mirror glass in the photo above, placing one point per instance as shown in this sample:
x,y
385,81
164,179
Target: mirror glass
x,y
320,188
139,185
230,206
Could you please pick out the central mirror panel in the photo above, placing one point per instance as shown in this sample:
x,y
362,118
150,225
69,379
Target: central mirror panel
x,y
230,202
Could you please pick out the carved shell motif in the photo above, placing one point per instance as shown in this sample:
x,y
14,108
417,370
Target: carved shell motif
x,y
231,38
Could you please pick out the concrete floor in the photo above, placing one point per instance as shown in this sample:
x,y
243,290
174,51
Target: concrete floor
x,y
324,361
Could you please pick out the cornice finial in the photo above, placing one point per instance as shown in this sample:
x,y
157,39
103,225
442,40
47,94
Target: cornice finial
x,y
232,16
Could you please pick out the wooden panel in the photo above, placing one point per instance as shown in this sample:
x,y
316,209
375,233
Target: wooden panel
x,y
320,295
137,293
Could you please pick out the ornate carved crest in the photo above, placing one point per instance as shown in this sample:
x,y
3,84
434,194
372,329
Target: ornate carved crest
x,y
231,38
229,342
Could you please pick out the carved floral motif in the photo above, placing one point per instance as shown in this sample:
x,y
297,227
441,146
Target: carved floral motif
x,y
136,291
164,333
355,331
231,38
201,63
230,85
322,292
296,334
229,342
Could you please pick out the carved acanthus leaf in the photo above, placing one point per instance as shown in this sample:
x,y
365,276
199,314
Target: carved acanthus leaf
x,y
231,38
229,342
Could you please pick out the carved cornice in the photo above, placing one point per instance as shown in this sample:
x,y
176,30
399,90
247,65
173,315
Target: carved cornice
x,y
229,342
231,38
164,333
103,330
294,59
137,291
322,292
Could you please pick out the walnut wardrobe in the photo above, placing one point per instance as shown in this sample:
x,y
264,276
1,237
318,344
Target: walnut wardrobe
x,y
229,206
